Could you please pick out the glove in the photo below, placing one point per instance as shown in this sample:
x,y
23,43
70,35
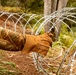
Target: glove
x,y
37,43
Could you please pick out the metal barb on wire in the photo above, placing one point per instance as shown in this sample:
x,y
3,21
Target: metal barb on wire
x,y
72,63
59,69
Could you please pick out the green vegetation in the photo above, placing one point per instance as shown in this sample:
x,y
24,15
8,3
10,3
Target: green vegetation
x,y
66,37
11,9
33,6
71,3
8,68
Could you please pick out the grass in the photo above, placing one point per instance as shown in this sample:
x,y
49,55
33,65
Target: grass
x,y
7,67
11,9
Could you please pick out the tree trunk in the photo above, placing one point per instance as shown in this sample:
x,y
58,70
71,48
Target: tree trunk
x,y
49,7
61,4
47,11
53,5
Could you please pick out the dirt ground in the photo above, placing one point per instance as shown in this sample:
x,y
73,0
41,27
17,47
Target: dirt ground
x,y
25,64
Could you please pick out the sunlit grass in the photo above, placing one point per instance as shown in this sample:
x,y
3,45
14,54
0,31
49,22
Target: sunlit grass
x,y
11,9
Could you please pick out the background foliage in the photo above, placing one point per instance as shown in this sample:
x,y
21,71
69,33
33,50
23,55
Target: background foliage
x,y
35,6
